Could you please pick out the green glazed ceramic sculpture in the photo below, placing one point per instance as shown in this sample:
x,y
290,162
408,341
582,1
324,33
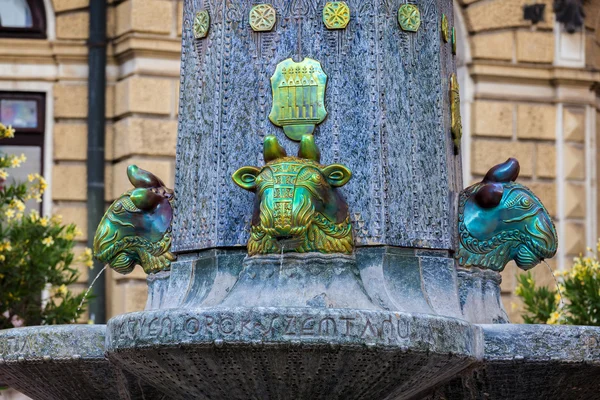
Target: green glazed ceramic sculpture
x,y
297,207
501,220
136,229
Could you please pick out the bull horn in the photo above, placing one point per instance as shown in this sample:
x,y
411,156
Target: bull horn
x,y
309,149
140,178
489,195
505,172
272,150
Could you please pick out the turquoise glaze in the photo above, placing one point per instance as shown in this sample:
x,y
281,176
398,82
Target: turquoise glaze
x,y
501,220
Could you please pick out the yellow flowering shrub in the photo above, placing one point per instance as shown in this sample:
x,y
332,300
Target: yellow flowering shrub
x,y
36,255
580,290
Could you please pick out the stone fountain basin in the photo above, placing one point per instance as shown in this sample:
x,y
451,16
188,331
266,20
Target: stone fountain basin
x,y
271,353
532,362
65,362
283,353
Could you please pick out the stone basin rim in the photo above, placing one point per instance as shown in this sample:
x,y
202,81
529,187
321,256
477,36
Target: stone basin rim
x,y
413,332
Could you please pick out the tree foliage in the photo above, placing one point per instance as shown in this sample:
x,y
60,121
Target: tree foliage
x,y
36,255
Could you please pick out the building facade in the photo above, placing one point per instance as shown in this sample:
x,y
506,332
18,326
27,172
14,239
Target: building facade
x,y
528,87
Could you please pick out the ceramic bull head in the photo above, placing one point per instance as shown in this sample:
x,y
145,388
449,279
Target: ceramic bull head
x,y
501,220
297,206
136,229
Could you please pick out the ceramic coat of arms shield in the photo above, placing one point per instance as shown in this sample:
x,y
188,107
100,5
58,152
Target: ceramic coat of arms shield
x,y
298,97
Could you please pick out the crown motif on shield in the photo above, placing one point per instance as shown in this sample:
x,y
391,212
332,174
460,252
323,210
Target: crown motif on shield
x,y
298,97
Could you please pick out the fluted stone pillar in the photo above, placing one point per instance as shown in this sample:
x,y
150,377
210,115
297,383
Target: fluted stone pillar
x,y
388,119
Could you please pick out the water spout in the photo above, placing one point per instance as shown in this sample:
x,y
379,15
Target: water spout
x,y
87,292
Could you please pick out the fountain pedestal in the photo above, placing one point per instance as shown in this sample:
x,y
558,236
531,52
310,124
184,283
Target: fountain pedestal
x,y
391,317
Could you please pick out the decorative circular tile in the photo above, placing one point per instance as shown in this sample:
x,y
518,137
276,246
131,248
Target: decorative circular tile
x,y
336,15
262,18
409,17
201,24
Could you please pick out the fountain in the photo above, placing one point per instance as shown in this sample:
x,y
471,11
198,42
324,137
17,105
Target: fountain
x,y
317,244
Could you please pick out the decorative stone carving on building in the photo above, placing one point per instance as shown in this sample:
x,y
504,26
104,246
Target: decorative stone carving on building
x,y
136,229
298,97
262,17
201,24
409,17
336,15
445,29
570,13
500,220
456,119
297,206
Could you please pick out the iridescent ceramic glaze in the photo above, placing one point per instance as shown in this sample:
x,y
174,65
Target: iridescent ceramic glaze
x,y
136,229
501,220
297,207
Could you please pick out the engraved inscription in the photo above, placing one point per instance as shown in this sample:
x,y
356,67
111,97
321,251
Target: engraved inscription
x,y
388,328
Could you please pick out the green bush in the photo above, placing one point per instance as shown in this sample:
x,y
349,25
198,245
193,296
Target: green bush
x,y
580,289
36,255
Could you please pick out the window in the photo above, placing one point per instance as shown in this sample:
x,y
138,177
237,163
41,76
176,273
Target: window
x,y
22,19
26,113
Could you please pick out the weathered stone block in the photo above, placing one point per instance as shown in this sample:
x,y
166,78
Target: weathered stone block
x,y
128,296
536,122
493,45
179,19
574,238
151,16
73,25
493,118
70,101
69,182
574,162
143,95
487,153
64,5
574,124
487,15
535,47
144,136
70,141
545,161
575,200
74,213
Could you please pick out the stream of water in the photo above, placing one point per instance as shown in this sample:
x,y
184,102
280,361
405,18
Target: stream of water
x,y
87,292
556,283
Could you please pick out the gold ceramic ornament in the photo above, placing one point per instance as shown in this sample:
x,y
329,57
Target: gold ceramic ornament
x,y
262,17
455,111
336,15
201,24
409,17
445,29
298,97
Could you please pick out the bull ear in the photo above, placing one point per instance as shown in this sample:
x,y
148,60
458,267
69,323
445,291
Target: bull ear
x,y
140,178
245,177
489,195
337,175
145,199
505,172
